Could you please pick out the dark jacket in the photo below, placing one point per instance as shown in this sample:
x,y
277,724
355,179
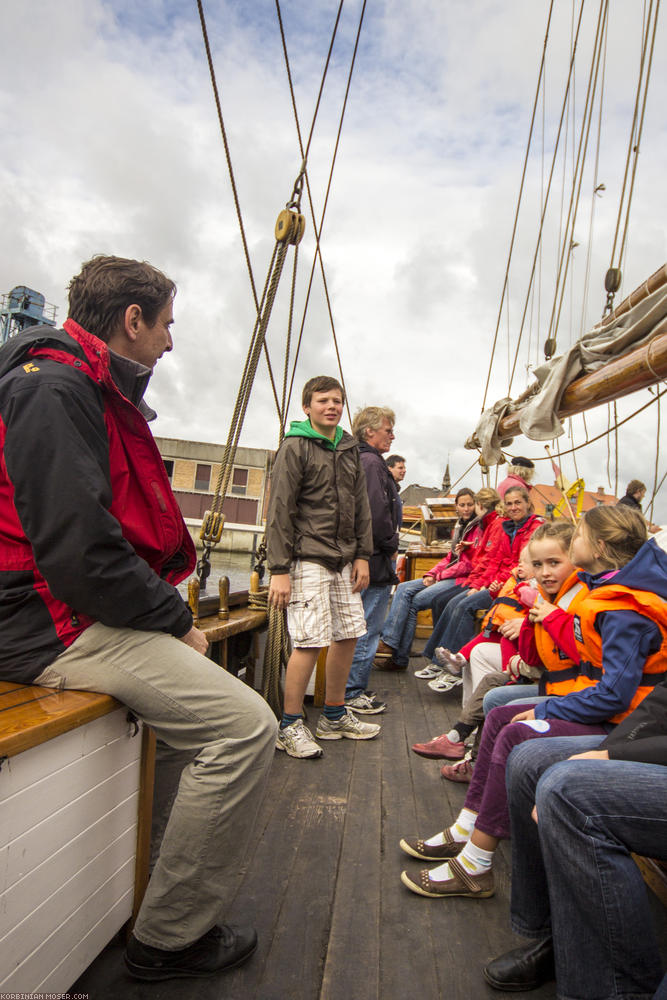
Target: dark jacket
x,y
630,501
318,508
385,509
643,735
89,528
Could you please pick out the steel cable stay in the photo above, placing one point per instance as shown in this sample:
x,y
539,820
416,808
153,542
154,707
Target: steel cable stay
x,y
565,248
550,182
518,206
597,190
613,279
578,173
593,107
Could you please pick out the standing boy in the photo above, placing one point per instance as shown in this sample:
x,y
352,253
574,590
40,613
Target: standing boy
x,y
319,543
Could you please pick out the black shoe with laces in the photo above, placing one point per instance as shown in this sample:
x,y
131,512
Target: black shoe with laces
x,y
223,947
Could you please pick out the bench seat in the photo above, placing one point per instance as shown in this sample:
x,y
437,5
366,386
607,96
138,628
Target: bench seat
x,y
76,782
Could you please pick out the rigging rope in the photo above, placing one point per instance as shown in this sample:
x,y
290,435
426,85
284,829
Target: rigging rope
x,y
549,184
317,229
578,173
518,205
289,230
232,179
634,144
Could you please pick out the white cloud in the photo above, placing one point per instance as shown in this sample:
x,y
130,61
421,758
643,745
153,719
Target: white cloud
x,y
108,113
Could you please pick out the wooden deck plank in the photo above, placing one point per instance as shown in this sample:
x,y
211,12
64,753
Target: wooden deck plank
x,y
356,912
311,823
407,932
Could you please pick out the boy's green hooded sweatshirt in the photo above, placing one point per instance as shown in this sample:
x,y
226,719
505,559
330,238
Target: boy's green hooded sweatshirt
x,y
318,509
304,429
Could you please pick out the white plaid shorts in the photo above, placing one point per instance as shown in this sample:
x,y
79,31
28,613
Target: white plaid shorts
x,y
322,608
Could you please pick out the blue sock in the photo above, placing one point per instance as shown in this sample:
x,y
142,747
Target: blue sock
x,y
333,712
288,719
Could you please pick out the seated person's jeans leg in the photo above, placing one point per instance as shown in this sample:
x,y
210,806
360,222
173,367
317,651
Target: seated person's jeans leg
x,y
592,814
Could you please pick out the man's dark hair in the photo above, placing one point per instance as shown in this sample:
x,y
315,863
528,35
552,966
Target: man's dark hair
x,y
320,383
106,286
634,486
393,460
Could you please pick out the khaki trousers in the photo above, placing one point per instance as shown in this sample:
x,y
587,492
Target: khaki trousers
x,y
192,704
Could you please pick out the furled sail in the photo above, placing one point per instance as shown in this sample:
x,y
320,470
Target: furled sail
x,y
637,323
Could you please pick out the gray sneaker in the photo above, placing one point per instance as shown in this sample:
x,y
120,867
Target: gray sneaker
x,y
348,727
297,740
366,703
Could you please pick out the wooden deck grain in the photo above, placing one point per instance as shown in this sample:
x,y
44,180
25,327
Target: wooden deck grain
x,y
321,880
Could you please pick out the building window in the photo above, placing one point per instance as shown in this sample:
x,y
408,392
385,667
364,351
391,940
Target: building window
x,y
169,466
239,482
203,478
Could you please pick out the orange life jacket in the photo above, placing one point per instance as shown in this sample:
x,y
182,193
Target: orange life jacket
x,y
560,672
615,597
506,606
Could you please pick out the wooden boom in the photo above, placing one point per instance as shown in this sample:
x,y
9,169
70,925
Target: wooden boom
x,y
637,370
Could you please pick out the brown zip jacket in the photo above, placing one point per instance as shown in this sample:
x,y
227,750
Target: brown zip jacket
x,y
318,507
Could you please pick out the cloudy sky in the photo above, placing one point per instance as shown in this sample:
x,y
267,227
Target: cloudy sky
x,y
112,145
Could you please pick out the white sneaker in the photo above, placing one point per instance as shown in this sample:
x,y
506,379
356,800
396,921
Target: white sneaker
x,y
348,727
297,741
429,672
444,683
452,662
366,703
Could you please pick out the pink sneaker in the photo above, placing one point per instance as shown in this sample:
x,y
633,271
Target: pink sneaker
x,y
461,771
440,747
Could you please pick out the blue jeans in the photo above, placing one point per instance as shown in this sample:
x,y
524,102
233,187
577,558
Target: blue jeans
x,y
375,600
409,599
572,874
456,624
508,693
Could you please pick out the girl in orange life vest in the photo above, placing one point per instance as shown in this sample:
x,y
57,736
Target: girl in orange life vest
x,y
484,659
558,584
628,656
547,638
493,648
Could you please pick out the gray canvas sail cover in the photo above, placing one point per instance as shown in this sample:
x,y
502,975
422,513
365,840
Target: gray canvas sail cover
x,y
622,331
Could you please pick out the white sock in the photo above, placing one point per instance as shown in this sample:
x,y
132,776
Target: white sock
x,y
453,736
460,830
474,860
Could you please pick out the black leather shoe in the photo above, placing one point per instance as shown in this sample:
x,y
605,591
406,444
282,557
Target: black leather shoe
x,y
223,947
523,968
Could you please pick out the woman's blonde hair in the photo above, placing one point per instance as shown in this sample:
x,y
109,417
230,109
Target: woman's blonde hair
x,y
487,498
526,472
616,533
